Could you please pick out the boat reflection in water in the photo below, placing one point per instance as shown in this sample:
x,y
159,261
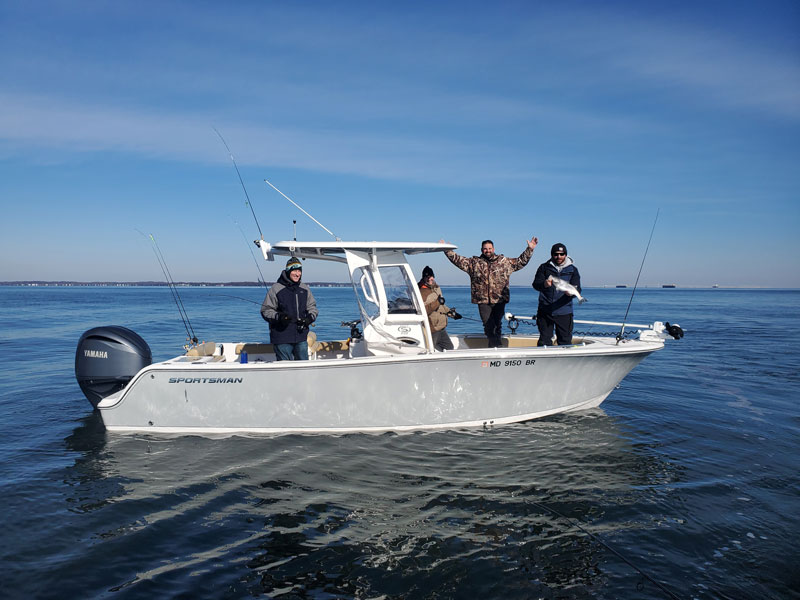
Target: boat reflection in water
x,y
443,513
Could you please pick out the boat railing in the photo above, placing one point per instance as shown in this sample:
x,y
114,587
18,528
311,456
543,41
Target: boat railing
x,y
655,331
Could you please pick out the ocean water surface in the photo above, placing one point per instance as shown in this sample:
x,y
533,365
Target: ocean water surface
x,y
683,484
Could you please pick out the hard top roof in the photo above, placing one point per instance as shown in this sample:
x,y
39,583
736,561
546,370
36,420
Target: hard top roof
x,y
337,247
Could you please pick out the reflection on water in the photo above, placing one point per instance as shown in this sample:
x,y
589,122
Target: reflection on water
x,y
415,515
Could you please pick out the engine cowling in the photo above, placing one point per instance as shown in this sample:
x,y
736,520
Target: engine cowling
x,y
107,358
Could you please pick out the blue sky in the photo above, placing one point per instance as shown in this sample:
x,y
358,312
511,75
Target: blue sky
x,y
571,121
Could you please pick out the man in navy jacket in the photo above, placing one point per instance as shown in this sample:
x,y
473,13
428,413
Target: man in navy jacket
x,y
290,308
555,306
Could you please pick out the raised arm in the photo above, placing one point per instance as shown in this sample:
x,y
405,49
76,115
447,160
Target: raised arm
x,y
462,262
522,260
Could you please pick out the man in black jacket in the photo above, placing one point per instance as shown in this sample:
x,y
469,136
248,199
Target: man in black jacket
x,y
290,308
555,306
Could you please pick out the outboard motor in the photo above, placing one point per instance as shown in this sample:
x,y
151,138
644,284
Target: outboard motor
x,y
107,358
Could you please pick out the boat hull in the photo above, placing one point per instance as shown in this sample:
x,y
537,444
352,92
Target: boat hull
x,y
433,391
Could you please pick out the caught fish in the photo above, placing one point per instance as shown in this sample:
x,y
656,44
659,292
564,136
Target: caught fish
x,y
567,288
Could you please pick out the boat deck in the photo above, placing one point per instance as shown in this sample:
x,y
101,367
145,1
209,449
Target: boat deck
x,y
340,349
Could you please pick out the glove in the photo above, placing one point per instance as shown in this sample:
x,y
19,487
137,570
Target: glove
x,y
283,318
454,315
304,322
441,299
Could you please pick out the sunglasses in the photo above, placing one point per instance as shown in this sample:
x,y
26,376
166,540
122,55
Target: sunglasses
x,y
559,253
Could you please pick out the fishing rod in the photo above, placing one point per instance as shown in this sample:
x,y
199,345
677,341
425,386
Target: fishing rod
x,y
622,329
470,319
246,195
173,289
338,239
238,298
252,254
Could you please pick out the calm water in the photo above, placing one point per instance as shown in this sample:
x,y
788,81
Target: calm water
x,y
688,473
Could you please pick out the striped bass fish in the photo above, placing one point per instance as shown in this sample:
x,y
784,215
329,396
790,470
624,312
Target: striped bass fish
x,y
567,288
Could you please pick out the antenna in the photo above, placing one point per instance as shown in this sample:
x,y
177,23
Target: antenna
x,y
294,226
338,239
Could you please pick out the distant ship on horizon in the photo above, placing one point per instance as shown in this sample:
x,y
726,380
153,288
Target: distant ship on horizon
x,y
669,285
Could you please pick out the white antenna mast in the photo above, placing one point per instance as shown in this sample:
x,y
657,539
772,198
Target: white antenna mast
x,y
303,211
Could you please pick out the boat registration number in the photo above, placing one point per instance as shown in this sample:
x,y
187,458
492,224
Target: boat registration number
x,y
527,362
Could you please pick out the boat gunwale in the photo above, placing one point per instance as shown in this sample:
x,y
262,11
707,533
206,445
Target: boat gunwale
x,y
602,348
551,352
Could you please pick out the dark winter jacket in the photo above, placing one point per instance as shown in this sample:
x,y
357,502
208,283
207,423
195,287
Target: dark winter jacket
x,y
551,300
286,297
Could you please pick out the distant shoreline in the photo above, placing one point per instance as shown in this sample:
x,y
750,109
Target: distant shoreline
x,y
334,284
155,284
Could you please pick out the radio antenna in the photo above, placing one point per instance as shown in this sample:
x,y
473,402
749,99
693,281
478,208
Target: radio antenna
x,y
622,329
303,211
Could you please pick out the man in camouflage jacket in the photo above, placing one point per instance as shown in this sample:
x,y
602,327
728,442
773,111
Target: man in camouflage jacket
x,y
489,274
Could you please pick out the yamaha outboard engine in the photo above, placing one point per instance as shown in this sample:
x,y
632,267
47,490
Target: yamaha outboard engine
x,y
107,358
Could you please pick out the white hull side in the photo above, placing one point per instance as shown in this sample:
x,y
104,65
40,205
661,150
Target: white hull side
x,y
436,391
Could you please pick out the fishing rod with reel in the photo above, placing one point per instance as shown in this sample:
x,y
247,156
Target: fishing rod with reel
x,y
261,279
621,333
247,196
191,336
674,330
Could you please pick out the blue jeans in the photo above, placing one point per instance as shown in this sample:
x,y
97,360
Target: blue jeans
x,y
298,351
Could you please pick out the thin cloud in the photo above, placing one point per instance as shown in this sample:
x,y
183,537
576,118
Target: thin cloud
x,y
711,68
35,122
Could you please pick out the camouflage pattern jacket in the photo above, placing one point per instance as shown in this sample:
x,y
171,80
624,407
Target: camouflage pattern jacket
x,y
437,310
489,278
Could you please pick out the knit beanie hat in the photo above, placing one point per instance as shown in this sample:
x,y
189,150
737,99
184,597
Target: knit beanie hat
x,y
427,272
558,248
293,263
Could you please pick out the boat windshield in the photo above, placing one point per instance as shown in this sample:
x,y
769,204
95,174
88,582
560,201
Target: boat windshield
x,y
399,295
365,290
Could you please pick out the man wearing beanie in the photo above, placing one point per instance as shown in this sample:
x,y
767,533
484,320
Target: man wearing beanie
x,y
489,274
437,310
555,307
289,308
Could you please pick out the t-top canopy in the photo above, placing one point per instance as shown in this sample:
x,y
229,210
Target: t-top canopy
x,y
335,250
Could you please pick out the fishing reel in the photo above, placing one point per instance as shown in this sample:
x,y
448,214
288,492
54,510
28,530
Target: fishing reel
x,y
674,330
355,332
